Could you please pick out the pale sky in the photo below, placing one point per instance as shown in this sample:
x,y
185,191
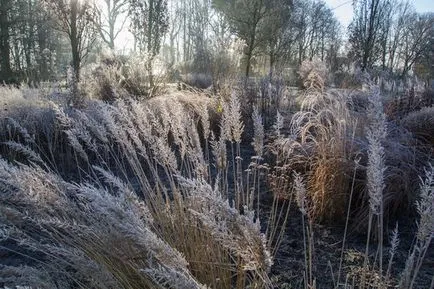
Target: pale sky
x,y
344,11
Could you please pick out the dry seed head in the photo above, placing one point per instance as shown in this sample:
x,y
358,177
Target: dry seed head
x,y
22,130
204,119
24,150
225,123
425,207
258,139
300,193
376,160
236,123
278,124
394,242
219,151
169,278
375,173
240,234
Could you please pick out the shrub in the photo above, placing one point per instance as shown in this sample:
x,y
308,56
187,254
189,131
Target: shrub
x,y
421,124
346,80
114,78
313,74
197,80
104,81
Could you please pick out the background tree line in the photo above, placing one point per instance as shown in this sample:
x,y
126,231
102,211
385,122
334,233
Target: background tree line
x,y
39,39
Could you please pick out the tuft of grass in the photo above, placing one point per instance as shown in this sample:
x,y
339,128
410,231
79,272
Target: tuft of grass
x,y
313,75
375,176
421,124
425,231
321,141
69,235
143,180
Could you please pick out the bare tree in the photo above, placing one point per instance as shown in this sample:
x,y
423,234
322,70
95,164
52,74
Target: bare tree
x,y
365,31
416,40
76,19
423,66
5,64
246,18
314,30
175,28
107,26
149,20
276,28
26,42
200,12
400,13
301,28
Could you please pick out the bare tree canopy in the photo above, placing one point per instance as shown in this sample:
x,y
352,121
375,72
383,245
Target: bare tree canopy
x,y
207,37
77,20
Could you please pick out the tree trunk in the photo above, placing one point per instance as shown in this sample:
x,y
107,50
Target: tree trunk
x,y
45,59
272,62
75,41
111,43
5,63
29,45
248,60
75,59
150,74
172,50
249,53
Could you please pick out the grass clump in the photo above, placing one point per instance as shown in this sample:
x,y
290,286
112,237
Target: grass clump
x,y
161,193
321,142
182,232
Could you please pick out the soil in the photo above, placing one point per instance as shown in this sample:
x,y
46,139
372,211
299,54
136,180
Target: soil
x,y
288,268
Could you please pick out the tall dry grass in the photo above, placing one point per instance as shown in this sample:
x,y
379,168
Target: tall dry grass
x,y
425,231
375,172
151,194
69,235
187,229
321,141
357,168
